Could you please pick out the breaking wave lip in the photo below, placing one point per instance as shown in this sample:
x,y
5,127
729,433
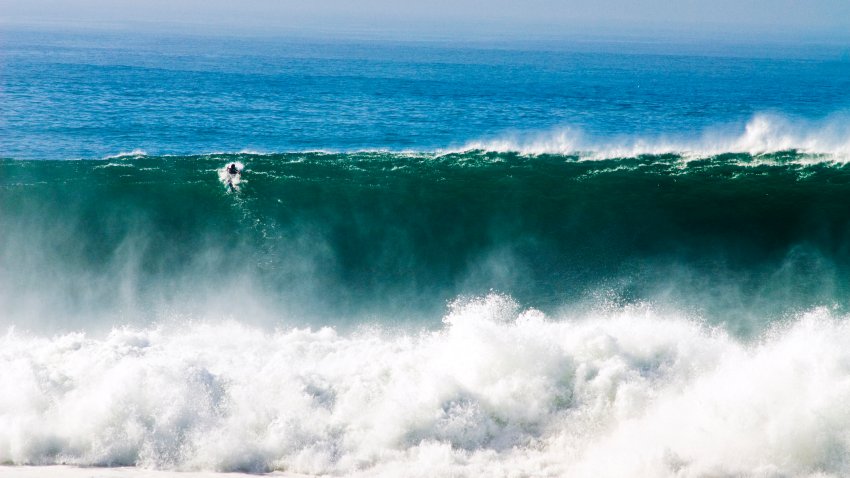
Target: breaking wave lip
x,y
498,391
828,139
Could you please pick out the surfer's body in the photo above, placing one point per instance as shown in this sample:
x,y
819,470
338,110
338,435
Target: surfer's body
x,y
231,176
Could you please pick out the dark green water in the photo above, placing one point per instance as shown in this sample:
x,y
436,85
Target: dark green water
x,y
339,237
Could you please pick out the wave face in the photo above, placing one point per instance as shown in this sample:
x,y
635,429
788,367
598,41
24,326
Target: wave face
x,y
738,238
496,391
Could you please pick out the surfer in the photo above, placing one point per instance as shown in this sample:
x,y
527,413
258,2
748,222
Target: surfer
x,y
231,176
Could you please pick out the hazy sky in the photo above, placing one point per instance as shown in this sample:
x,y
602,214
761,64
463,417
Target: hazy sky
x,y
830,18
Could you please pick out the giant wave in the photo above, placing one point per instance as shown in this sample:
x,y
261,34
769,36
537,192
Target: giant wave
x,y
651,315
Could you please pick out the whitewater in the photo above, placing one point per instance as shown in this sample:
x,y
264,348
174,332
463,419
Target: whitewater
x,y
496,391
827,139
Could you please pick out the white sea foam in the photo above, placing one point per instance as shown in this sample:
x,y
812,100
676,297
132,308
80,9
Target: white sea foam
x,y
764,133
498,391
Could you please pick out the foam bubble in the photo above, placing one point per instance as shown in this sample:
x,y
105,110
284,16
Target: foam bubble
x,y
498,391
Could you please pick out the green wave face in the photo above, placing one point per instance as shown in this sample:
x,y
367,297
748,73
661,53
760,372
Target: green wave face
x,y
391,236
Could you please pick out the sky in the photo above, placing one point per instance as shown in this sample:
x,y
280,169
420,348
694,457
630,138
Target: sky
x,y
775,18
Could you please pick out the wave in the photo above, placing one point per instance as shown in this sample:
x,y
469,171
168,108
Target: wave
x,y
499,390
351,234
297,325
762,134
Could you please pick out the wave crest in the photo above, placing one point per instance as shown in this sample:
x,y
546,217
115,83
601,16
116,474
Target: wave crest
x,y
136,153
762,134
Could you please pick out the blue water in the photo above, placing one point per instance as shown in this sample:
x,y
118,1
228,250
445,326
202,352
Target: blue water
x,y
93,95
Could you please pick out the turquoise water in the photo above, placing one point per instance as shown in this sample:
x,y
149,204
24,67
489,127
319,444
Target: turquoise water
x,y
460,260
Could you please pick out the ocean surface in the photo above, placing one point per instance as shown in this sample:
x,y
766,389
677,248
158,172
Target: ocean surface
x,y
442,259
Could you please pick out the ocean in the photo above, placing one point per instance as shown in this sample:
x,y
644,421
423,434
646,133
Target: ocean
x,y
441,259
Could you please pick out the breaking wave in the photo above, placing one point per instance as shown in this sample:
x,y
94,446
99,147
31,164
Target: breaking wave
x,y
762,134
